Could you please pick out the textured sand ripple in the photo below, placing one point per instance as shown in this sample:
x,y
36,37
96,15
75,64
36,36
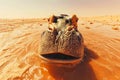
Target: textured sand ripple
x,y
19,58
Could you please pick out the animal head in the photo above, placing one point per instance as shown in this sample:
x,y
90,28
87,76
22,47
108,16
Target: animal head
x,y
62,40
62,22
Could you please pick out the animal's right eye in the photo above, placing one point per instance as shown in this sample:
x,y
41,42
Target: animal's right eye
x,y
55,19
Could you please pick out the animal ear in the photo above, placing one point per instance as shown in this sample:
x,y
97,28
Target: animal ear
x,y
74,21
52,19
75,18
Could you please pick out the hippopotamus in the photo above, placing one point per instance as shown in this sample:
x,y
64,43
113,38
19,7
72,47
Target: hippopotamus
x,y
62,42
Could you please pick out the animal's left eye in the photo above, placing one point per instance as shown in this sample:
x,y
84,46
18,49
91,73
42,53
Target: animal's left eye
x,y
67,21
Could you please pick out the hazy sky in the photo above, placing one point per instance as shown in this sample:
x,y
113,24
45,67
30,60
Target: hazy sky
x,y
43,8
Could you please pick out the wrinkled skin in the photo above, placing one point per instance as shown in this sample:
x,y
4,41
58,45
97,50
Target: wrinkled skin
x,y
66,42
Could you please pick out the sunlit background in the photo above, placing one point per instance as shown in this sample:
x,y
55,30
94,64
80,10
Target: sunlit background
x,y
44,8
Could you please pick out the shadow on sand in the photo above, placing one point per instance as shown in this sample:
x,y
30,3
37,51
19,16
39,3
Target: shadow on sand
x,y
82,71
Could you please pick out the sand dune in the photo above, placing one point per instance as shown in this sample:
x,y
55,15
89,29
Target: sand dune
x,y
19,57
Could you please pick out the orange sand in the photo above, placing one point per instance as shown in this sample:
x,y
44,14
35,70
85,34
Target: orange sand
x,y
19,58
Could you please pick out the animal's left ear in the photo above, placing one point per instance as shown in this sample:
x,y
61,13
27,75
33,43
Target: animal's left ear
x,y
74,21
75,18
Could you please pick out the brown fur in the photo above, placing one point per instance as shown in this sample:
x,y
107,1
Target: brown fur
x,y
74,21
52,19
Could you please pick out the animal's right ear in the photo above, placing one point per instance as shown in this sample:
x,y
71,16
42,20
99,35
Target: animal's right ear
x,y
52,19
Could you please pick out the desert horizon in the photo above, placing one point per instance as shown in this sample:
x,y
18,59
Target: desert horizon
x,y
79,16
42,8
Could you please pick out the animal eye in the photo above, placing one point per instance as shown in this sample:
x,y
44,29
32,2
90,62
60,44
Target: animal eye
x,y
67,21
55,20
